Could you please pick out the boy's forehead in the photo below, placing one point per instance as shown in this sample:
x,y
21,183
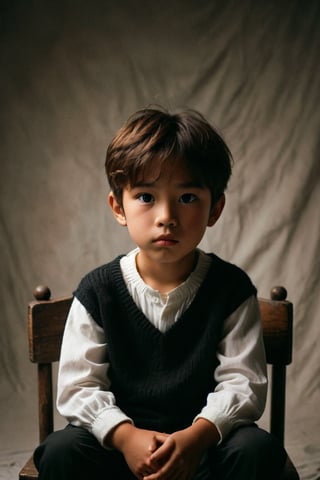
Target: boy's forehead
x,y
168,169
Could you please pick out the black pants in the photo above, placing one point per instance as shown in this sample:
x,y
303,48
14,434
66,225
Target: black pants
x,y
248,453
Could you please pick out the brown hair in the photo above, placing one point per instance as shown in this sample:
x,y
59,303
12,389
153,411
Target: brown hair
x,y
153,134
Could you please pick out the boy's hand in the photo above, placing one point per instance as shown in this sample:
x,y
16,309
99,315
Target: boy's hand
x,y
137,446
177,458
180,453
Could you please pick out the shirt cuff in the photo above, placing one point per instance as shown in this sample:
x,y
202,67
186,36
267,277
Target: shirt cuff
x,y
220,421
108,419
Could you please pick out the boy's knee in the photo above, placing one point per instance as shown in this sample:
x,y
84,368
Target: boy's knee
x,y
75,453
251,440
255,443
61,451
252,450
55,448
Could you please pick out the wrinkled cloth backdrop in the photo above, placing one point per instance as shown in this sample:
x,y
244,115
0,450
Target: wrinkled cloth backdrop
x,y
71,73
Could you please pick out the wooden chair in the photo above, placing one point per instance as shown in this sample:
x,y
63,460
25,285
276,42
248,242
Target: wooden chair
x,y
46,320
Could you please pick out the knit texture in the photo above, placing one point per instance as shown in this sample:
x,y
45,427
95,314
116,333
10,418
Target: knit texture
x,y
161,380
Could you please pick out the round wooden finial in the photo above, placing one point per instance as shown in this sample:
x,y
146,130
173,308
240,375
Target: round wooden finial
x,y
278,293
42,292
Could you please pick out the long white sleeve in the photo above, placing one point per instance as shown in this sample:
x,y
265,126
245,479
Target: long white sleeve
x,y
241,376
83,397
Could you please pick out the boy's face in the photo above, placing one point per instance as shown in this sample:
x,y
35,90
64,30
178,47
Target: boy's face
x,y
166,213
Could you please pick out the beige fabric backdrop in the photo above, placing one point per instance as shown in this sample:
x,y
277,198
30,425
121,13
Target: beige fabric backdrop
x,y
71,73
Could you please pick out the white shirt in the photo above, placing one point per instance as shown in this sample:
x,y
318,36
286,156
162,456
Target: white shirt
x,y
84,398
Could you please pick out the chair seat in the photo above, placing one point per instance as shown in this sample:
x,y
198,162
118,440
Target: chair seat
x,y
29,471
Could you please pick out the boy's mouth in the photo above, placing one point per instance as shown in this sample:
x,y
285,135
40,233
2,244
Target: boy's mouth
x,y
165,241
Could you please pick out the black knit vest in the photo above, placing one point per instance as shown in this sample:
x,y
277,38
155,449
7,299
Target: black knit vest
x,y
161,380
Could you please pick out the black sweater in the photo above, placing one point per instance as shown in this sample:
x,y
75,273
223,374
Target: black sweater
x,y
161,380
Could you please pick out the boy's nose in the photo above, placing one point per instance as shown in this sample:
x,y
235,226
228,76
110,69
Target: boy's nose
x,y
166,217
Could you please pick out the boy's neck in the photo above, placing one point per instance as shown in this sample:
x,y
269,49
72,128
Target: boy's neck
x,y
164,277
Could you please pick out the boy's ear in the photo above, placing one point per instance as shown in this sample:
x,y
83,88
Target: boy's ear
x,y
216,210
117,209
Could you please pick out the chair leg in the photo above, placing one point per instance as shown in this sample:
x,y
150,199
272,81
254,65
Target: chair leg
x,y
45,400
278,398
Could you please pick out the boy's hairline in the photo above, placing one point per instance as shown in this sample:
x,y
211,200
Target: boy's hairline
x,y
121,178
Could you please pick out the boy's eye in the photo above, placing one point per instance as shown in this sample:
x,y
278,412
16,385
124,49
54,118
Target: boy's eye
x,y
188,198
145,197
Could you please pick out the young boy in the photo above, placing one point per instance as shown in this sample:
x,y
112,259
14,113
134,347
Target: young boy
x,y
162,372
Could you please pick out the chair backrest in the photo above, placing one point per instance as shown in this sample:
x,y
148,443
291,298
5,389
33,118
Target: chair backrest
x,y
277,324
46,320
